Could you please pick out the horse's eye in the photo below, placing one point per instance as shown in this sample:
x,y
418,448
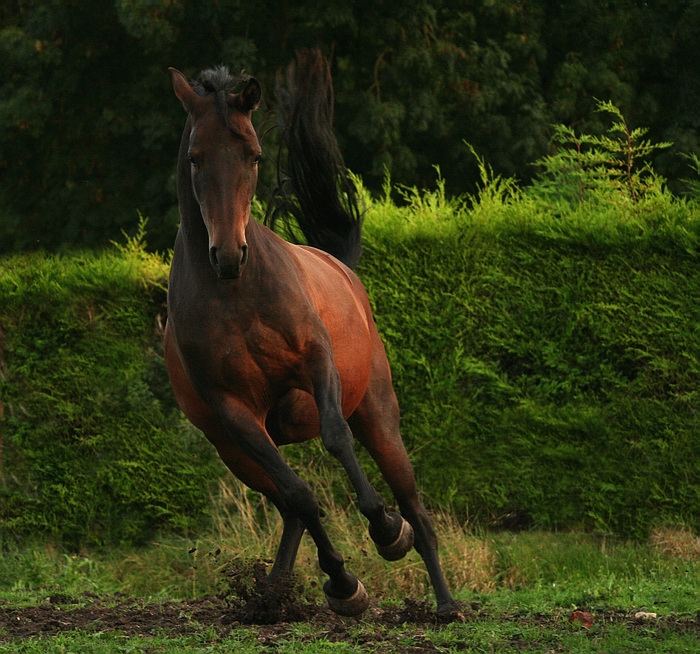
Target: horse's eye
x,y
193,160
257,159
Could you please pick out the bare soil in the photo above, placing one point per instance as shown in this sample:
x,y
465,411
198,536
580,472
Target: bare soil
x,y
249,599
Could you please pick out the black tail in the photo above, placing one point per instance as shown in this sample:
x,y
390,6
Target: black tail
x,y
316,190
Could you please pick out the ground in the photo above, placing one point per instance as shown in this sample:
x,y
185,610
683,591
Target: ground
x,y
247,598
133,617
271,613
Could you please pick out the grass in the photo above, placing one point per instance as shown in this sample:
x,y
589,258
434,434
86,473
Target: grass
x,y
531,585
521,587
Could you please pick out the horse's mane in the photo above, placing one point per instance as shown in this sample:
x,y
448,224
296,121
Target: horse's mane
x,y
219,81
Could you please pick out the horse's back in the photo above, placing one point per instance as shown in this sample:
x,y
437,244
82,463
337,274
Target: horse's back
x,y
335,287
334,291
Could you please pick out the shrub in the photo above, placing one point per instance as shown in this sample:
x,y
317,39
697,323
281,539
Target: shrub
x,y
94,448
546,355
544,348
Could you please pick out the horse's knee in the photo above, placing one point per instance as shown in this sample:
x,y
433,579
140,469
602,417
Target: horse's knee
x,y
299,500
338,442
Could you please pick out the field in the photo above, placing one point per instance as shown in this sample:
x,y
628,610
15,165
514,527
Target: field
x,y
527,592
532,592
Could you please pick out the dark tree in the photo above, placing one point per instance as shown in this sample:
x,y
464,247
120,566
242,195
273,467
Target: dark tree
x,y
89,130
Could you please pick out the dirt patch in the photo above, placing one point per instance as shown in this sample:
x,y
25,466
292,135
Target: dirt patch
x,y
247,598
60,613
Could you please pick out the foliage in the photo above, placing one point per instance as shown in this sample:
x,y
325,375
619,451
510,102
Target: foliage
x,y
90,126
693,184
93,448
544,348
545,353
611,167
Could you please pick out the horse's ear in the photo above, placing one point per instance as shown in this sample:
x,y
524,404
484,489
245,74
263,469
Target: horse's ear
x,y
183,90
250,96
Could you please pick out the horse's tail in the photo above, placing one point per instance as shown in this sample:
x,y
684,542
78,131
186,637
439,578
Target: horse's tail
x,y
315,188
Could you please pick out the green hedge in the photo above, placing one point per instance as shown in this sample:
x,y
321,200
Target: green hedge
x,y
547,362
93,447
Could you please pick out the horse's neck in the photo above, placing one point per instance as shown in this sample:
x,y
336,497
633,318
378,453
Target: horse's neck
x,y
192,237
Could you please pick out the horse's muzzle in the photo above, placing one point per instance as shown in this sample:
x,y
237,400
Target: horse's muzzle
x,y
229,266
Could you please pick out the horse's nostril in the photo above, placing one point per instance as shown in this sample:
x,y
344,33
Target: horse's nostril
x,y
228,265
213,258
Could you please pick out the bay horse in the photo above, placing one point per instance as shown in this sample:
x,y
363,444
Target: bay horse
x,y
269,342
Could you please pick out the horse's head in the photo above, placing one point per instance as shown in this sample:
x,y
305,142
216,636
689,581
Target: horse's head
x,y
223,155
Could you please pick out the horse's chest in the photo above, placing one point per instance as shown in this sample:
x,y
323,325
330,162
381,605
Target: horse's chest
x,y
243,359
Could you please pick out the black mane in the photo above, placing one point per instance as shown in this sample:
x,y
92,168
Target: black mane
x,y
218,81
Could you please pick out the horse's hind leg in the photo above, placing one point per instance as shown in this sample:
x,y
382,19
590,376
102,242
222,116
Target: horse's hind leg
x,y
292,532
375,424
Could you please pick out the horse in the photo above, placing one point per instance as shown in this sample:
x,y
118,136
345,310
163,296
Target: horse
x,y
269,342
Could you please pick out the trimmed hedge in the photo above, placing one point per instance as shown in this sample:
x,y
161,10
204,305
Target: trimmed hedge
x,y
547,363
93,447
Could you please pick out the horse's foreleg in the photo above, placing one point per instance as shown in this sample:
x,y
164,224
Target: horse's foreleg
x,y
234,457
299,507
256,478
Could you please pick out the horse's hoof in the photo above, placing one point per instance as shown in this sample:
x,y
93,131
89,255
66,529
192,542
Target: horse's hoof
x,y
350,606
401,546
450,613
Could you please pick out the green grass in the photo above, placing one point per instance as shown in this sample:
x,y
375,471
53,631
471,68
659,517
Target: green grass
x,y
480,638
533,583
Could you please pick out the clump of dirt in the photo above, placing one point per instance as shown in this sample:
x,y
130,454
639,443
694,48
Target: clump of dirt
x,y
250,597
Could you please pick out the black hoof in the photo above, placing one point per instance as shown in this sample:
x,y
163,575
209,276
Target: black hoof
x,y
450,613
351,606
401,546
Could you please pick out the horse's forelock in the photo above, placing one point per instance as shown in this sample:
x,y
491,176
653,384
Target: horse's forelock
x,y
218,81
